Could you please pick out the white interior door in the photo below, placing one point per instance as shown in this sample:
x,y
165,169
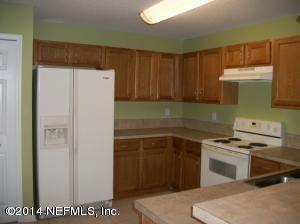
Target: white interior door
x,y
9,158
94,123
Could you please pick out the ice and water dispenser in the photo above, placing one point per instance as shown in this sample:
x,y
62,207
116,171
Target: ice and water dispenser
x,y
55,132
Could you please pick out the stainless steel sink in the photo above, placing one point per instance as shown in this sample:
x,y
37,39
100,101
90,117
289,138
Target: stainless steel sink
x,y
275,179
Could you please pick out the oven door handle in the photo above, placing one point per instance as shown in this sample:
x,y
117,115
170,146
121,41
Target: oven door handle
x,y
225,152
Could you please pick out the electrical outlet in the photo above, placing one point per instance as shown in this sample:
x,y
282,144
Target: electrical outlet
x,y
214,116
167,112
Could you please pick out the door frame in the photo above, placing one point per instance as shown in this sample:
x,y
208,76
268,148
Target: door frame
x,y
18,39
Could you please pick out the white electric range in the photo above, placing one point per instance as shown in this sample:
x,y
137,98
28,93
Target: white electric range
x,y
228,159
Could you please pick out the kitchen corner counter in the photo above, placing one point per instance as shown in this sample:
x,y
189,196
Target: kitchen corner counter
x,y
176,208
275,204
186,133
280,154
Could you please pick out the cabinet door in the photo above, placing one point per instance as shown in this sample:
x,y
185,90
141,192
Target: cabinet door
x,y
85,55
167,68
234,56
51,53
261,166
123,62
177,164
210,70
286,76
258,53
191,171
126,167
191,167
145,70
190,77
154,163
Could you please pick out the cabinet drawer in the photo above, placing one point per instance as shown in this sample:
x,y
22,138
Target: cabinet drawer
x,y
193,147
127,145
153,143
263,166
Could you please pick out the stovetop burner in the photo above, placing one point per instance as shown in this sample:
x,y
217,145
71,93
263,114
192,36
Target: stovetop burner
x,y
258,144
225,141
245,147
235,139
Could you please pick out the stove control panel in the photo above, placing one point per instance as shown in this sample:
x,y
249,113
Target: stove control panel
x,y
269,128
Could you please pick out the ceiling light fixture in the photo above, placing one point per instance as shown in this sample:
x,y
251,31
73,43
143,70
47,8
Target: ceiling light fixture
x,y
169,8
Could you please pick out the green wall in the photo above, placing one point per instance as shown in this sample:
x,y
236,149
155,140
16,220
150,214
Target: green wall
x,y
254,98
18,19
90,35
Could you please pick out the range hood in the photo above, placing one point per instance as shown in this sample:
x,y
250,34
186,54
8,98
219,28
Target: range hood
x,y
250,74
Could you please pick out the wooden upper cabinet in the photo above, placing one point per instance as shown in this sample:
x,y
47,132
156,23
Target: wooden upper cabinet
x,y
85,55
190,76
234,56
145,75
50,53
249,54
210,66
258,53
167,72
123,62
286,76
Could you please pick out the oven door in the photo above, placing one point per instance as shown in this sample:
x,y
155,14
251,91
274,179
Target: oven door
x,y
221,166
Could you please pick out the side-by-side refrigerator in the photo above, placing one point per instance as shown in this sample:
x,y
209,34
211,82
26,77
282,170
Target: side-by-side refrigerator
x,y
73,136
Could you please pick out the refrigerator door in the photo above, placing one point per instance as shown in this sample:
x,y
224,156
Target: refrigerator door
x,y
94,122
54,134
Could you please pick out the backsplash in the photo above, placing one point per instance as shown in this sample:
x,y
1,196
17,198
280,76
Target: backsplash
x,y
291,140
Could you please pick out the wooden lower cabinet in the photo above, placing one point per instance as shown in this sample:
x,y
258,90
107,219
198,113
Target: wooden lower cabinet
x,y
154,168
126,167
186,164
140,166
260,166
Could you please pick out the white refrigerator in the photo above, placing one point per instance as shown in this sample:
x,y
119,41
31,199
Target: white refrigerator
x,y
73,136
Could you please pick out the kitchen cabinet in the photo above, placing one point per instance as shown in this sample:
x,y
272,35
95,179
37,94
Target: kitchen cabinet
x,y
126,167
84,55
67,54
191,168
260,166
185,164
210,64
141,166
154,163
190,76
177,163
248,54
286,78
234,56
168,75
145,75
50,53
123,62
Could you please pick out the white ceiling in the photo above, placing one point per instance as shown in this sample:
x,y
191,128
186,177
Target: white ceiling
x,y
123,15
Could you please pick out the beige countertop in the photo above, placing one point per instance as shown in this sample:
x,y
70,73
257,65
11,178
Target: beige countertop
x,y
280,154
176,208
185,133
275,204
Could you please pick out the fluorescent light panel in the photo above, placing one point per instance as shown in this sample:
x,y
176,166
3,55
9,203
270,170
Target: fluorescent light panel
x,y
169,8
